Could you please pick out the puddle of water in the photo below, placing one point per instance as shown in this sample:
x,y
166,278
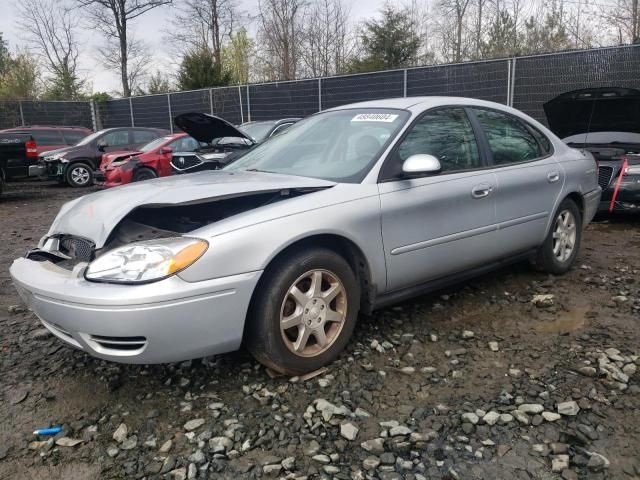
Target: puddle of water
x,y
567,322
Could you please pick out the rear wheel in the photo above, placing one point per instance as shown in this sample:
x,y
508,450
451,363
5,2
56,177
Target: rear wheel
x,y
79,175
144,174
560,249
303,312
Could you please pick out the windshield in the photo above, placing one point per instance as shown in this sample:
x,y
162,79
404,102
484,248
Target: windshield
x,y
154,144
339,145
90,138
257,130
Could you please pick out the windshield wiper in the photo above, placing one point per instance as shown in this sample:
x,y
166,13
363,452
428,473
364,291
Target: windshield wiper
x,y
257,170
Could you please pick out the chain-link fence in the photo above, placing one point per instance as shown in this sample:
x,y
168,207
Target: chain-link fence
x,y
523,82
16,114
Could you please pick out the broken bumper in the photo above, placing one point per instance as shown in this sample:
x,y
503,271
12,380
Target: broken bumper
x,y
166,321
628,197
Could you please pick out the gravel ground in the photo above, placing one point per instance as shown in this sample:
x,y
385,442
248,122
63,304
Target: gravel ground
x,y
514,375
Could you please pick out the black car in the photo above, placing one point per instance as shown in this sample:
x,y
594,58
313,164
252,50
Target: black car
x,y
18,153
223,141
606,123
75,165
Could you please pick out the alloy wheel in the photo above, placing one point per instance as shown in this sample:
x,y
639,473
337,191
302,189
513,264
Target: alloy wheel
x,y
80,175
313,313
564,236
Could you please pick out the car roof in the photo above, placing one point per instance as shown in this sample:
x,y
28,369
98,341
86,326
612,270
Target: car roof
x,y
46,127
416,104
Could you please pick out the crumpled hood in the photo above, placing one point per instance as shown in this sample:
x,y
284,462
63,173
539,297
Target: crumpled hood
x,y
50,153
112,157
94,216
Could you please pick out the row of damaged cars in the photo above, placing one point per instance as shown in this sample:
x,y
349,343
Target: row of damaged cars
x,y
117,156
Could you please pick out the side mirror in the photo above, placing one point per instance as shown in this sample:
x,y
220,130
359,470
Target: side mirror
x,y
102,145
165,150
420,164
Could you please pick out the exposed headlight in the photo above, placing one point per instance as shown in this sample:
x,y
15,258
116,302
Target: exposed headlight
x,y
632,170
148,261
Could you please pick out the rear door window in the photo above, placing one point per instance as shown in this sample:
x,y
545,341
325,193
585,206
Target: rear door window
x,y
47,137
509,139
72,137
143,136
116,139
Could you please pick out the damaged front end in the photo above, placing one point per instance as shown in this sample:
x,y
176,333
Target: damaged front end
x,y
81,234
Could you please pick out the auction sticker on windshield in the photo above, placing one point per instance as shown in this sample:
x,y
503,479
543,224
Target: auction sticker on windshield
x,y
374,117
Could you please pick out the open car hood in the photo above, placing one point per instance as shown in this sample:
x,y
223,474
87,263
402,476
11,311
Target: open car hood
x,y
594,110
206,128
94,216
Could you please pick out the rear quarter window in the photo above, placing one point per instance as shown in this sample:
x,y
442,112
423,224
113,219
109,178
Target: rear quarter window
x,y
72,137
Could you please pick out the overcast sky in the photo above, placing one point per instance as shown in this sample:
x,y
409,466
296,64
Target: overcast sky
x,y
149,27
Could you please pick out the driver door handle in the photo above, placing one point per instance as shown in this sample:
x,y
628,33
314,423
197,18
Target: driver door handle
x,y
481,191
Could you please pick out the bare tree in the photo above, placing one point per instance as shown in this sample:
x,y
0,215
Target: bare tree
x,y
624,18
205,24
139,57
112,17
280,34
327,42
454,19
50,28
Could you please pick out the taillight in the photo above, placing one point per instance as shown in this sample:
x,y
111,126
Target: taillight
x,y
32,150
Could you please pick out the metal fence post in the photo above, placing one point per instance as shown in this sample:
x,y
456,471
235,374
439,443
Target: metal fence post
x,y
170,113
21,113
405,83
248,105
513,81
94,115
133,122
211,100
319,94
240,100
509,82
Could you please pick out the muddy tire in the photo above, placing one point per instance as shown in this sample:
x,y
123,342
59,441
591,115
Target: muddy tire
x,y
142,174
303,311
560,249
79,175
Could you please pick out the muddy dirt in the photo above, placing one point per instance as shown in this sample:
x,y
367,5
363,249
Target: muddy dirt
x,y
457,370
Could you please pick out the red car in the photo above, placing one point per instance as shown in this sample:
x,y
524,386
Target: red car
x,y
52,137
151,161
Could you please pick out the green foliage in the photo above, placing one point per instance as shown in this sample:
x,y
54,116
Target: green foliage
x,y
199,70
548,36
236,56
390,42
100,97
502,38
158,83
20,78
4,55
64,86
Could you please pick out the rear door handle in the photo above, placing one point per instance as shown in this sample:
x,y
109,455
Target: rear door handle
x,y
481,191
553,176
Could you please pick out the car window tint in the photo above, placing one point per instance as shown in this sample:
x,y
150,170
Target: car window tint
x,y
508,138
446,134
71,137
543,141
117,138
143,136
47,137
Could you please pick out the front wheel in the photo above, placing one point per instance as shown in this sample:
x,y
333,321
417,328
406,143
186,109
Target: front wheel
x,y
303,312
560,249
144,174
79,175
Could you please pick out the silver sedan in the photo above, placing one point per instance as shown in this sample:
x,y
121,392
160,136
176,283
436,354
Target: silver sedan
x,y
347,211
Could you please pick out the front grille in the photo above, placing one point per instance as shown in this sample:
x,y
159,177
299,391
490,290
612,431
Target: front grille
x,y
604,176
126,344
182,162
79,249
